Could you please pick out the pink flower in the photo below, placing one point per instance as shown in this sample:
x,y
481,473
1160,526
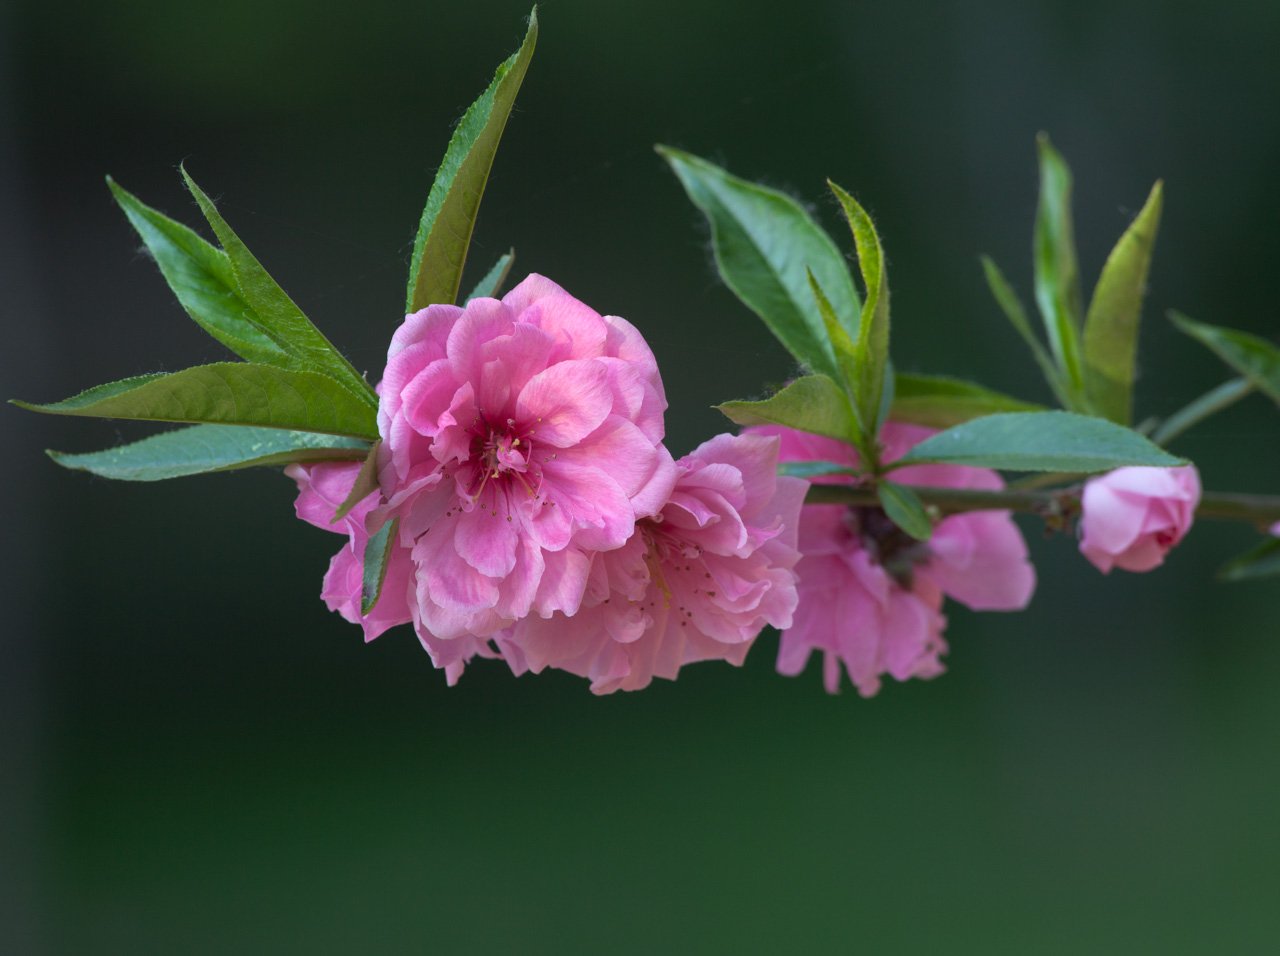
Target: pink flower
x,y
518,435
322,487
870,595
1275,529
698,581
1132,516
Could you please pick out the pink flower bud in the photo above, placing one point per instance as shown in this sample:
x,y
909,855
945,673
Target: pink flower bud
x,y
1133,516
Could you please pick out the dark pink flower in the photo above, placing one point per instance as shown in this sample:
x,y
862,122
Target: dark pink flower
x,y
1131,517
870,595
697,581
518,434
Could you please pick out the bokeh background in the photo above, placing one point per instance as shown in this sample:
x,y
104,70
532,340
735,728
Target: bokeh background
x,y
198,758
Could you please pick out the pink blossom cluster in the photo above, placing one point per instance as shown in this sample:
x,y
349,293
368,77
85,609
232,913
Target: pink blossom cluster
x,y
539,518
538,514
871,595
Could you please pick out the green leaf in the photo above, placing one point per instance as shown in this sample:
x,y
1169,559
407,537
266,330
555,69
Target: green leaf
x,y
841,343
1254,358
1012,307
200,276
1056,272
228,393
365,484
444,233
491,284
1262,561
940,401
1111,328
278,317
1210,403
765,245
811,404
377,555
1039,441
872,349
905,510
814,469
205,448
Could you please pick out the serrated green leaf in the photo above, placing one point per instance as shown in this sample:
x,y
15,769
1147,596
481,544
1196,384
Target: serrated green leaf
x,y
765,245
814,469
377,555
811,404
1262,561
205,448
228,393
905,509
1056,272
491,284
365,484
1254,358
277,315
871,351
200,276
1111,327
940,401
1011,305
1040,441
444,232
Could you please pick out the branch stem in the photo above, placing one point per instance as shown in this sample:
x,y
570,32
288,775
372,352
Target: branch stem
x,y
1260,510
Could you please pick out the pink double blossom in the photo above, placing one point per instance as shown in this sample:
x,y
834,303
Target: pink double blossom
x,y
697,581
519,435
1131,517
322,488
870,595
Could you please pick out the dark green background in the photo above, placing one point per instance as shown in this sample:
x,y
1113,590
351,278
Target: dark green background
x,y
198,758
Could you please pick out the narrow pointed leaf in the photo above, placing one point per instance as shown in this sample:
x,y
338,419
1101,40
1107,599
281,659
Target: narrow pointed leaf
x,y
491,285
940,401
228,393
1011,305
1254,358
1056,272
765,245
277,315
205,448
841,343
1262,561
377,554
444,233
1210,403
814,469
872,349
200,276
811,404
1111,328
1040,441
365,484
905,510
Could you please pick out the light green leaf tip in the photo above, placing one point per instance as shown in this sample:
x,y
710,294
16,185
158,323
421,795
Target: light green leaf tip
x,y
1111,328
813,404
871,351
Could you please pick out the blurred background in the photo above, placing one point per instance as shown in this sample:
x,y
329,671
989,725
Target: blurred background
x,y
196,757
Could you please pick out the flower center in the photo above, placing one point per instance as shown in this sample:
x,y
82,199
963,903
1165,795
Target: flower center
x,y
503,453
